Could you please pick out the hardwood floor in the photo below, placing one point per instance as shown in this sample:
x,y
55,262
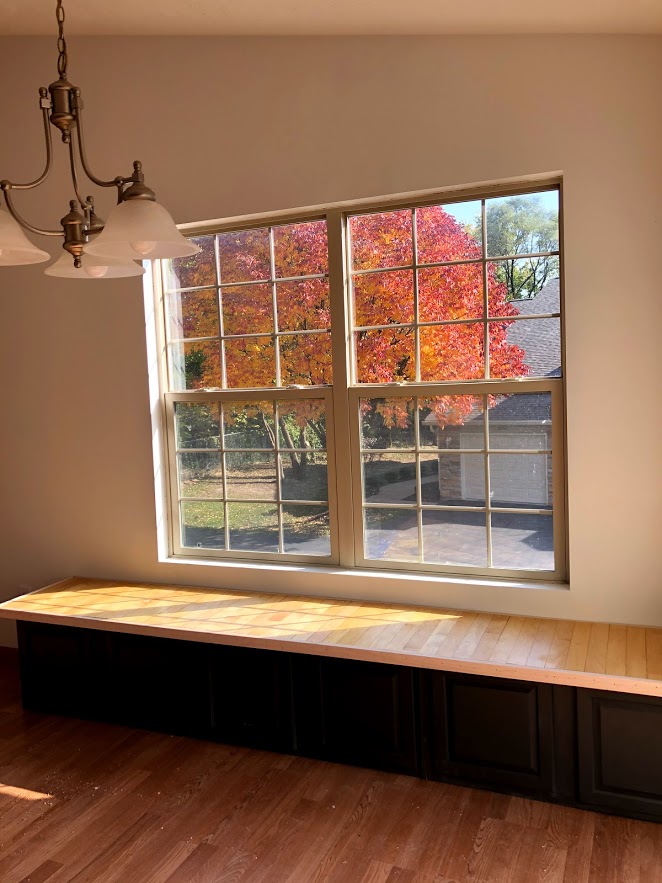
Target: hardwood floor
x,y
83,802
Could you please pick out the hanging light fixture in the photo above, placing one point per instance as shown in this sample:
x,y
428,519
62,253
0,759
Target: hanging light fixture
x,y
138,227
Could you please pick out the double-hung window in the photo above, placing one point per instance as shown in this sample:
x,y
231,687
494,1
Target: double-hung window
x,y
372,386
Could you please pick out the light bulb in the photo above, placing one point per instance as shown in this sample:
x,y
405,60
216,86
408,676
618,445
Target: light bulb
x,y
143,246
95,271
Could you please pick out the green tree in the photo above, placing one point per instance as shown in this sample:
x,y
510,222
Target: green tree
x,y
521,225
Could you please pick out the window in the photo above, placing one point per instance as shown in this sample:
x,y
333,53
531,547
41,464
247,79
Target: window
x,y
377,387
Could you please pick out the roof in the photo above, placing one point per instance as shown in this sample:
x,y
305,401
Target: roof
x,y
541,340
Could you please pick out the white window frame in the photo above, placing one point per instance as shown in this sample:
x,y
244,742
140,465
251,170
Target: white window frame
x,y
341,399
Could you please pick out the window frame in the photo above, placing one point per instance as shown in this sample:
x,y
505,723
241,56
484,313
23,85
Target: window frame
x,y
341,398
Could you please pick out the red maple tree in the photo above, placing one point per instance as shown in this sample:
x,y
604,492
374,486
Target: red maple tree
x,y
383,295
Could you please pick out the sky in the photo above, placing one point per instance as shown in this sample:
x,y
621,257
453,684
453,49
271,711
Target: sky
x,y
467,212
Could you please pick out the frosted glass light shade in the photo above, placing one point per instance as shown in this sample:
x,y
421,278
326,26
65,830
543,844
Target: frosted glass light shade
x,y
139,230
15,247
93,268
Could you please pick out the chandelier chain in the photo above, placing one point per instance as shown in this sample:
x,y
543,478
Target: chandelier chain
x,y
61,42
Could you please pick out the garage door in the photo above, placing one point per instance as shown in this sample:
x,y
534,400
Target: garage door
x,y
513,479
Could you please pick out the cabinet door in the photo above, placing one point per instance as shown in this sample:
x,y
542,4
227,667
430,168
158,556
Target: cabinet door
x,y
490,731
157,683
356,712
251,697
620,752
59,669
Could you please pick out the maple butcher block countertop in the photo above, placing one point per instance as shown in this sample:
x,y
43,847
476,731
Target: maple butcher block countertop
x,y
626,659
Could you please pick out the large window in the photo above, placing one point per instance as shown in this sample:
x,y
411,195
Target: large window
x,y
373,387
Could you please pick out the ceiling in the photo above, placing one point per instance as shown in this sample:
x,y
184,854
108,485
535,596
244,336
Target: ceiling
x,y
333,17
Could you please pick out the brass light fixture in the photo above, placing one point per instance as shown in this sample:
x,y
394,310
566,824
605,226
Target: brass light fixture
x,y
138,227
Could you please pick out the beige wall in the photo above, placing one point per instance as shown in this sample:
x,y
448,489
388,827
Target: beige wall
x,y
253,125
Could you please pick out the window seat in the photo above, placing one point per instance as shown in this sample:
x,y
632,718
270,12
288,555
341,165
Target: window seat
x,y
625,659
564,711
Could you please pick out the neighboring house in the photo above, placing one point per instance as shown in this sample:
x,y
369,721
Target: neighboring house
x,y
520,421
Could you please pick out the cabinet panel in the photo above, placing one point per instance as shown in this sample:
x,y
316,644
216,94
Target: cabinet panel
x,y
490,731
620,744
356,712
157,683
59,669
252,697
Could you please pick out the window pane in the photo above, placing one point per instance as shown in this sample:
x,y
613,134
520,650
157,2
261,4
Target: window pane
x,y
250,362
385,356
525,348
197,426
193,271
306,530
524,224
520,480
452,352
302,424
522,542
195,365
387,423
250,476
253,527
454,538
448,232
522,420
451,422
301,249
203,525
381,240
192,314
201,475
389,478
247,309
446,293
249,425
304,476
244,255
452,479
524,286
303,306
305,359
383,298
391,534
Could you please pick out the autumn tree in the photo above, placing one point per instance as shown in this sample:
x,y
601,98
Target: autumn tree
x,y
383,295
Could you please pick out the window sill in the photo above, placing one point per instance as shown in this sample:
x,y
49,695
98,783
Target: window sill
x,y
344,576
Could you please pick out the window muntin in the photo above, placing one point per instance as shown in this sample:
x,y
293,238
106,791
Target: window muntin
x,y
252,475
252,310
444,478
432,288
426,309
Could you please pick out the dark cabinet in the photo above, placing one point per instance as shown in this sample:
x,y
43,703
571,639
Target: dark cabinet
x,y
620,752
490,731
580,746
356,712
156,683
251,697
59,670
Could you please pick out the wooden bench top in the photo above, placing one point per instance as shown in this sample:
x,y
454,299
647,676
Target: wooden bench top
x,y
627,659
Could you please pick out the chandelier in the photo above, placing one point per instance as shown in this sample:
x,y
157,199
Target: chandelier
x,y
138,228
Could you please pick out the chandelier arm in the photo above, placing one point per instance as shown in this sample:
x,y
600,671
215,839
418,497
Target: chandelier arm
x,y
15,215
49,151
74,174
78,108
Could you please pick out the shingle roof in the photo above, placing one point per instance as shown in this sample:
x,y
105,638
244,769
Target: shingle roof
x,y
540,340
